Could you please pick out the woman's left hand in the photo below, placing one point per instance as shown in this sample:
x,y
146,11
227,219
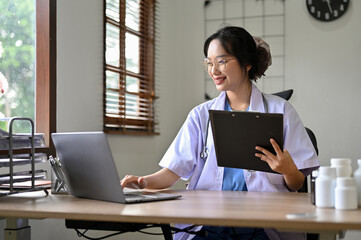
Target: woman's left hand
x,y
282,162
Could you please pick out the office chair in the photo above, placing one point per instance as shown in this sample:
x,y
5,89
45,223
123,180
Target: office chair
x,y
313,139
287,95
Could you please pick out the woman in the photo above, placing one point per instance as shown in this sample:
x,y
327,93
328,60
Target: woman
x,y
233,60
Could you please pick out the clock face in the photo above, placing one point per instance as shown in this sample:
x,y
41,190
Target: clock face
x,y
327,10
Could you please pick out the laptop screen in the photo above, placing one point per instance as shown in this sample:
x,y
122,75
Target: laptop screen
x,y
90,170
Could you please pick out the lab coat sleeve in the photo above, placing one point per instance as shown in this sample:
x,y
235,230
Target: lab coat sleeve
x,y
297,141
181,156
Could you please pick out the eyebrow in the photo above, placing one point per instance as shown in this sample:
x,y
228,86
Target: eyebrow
x,y
219,56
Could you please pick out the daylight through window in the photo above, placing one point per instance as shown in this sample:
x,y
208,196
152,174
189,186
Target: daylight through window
x,y
17,61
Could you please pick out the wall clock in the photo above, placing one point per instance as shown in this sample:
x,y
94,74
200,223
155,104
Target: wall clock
x,y
327,10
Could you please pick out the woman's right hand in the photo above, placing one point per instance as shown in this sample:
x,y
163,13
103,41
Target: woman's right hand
x,y
131,181
164,178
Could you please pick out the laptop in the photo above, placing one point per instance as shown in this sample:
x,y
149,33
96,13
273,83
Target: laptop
x,y
90,170
236,134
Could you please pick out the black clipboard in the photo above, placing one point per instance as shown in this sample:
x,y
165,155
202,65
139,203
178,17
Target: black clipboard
x,y
236,134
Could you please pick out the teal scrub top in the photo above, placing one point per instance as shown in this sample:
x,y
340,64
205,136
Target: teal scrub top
x,y
233,178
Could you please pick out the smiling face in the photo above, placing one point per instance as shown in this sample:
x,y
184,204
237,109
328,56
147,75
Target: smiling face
x,y
233,77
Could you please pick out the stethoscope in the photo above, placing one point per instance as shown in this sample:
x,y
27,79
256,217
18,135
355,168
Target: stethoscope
x,y
204,153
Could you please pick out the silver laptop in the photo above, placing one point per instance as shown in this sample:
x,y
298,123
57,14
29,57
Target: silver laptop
x,y
90,169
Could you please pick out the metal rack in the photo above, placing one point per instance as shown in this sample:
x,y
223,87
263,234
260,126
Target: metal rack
x,y
27,147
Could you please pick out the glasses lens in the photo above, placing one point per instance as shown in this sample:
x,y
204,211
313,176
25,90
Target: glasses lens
x,y
207,65
221,65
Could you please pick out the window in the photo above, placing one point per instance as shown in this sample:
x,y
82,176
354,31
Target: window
x,y
129,41
17,61
27,63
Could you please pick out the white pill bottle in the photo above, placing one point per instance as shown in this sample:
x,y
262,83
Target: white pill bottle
x,y
325,187
357,177
345,194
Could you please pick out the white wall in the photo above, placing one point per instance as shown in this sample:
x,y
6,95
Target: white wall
x,y
322,66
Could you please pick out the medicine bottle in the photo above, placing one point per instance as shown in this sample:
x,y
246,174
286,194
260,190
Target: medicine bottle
x,y
325,187
357,177
314,175
343,166
345,194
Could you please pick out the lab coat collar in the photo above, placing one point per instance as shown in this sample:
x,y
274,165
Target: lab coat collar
x,y
256,103
219,101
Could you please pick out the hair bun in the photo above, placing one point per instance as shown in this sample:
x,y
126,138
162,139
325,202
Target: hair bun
x,y
264,56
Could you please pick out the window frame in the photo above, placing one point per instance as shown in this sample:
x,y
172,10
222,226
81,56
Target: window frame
x,y
144,123
45,103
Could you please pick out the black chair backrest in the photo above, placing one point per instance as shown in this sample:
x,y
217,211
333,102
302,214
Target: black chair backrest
x,y
286,94
313,138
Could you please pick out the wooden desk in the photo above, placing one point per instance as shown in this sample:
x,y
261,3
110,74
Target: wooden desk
x,y
241,209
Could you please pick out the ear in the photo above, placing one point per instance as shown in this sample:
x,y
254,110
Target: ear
x,y
248,67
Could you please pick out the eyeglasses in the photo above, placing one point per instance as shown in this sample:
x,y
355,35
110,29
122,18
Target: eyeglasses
x,y
219,63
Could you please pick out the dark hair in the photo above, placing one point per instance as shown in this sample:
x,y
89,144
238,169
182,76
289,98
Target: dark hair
x,y
237,42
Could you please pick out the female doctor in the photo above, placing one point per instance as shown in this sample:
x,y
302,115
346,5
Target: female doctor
x,y
233,60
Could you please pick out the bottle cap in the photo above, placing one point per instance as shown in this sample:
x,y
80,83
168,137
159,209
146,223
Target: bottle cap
x,y
340,161
327,171
345,182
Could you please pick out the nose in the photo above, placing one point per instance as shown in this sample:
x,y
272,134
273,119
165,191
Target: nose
x,y
214,70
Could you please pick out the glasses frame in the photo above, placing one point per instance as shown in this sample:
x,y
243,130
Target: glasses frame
x,y
208,68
